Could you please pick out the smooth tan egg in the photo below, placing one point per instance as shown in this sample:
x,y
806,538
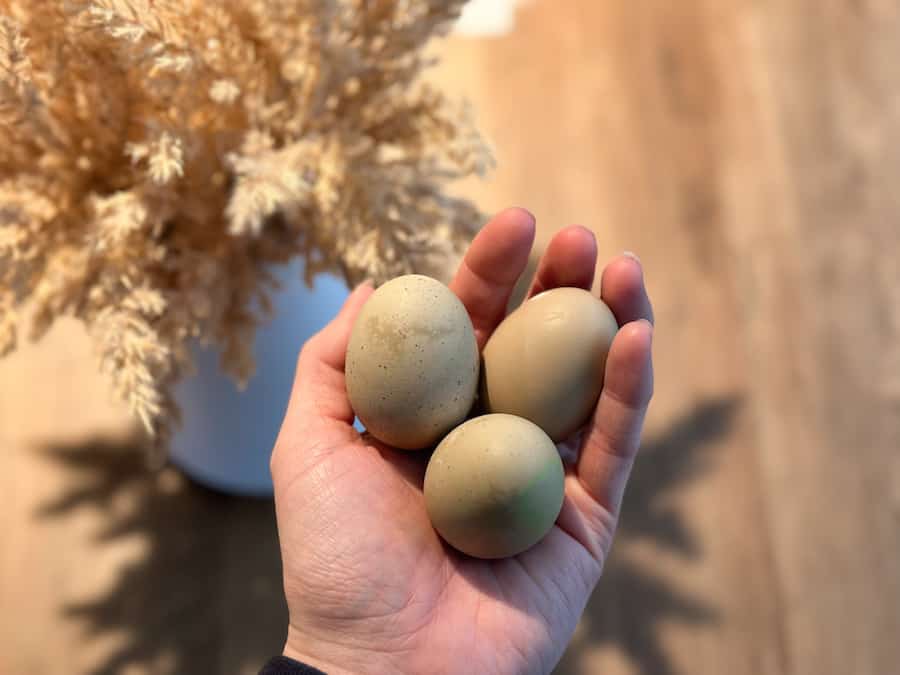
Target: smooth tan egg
x,y
545,361
412,362
494,486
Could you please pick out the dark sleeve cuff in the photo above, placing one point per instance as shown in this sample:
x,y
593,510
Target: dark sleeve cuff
x,y
282,665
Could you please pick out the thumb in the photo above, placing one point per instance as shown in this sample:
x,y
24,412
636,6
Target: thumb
x,y
319,391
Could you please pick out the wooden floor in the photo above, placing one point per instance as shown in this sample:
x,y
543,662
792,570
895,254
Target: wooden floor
x,y
749,152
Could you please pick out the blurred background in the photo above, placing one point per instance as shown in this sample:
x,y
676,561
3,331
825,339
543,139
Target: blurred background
x,y
749,153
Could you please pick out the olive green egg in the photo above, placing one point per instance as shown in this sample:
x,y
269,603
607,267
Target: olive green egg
x,y
494,486
412,362
545,361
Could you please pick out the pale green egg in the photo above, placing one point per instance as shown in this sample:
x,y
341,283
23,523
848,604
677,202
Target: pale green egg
x,y
545,362
494,486
412,362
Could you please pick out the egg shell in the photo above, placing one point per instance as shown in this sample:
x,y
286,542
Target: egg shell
x,y
545,361
494,486
412,362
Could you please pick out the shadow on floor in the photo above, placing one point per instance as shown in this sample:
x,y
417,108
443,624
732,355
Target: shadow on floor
x,y
632,601
206,597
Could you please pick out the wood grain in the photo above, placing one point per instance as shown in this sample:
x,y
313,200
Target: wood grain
x,y
748,151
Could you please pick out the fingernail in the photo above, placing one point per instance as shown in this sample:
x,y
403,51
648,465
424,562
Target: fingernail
x,y
632,255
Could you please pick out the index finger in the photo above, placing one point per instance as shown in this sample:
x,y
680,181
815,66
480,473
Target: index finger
x,y
492,265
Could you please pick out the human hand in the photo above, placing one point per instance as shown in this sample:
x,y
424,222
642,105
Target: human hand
x,y
370,586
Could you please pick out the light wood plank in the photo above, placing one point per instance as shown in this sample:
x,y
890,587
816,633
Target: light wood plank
x,y
748,151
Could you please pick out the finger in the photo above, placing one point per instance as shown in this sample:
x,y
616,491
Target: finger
x,y
614,433
491,267
622,289
319,387
570,260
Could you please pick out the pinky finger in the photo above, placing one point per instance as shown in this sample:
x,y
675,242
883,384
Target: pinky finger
x,y
613,436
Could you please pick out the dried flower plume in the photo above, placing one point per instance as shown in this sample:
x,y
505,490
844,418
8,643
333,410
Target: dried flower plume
x,y
157,157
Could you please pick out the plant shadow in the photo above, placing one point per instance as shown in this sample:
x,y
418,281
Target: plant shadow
x,y
206,596
632,601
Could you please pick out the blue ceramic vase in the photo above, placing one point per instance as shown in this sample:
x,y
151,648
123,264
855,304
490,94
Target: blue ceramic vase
x,y
227,435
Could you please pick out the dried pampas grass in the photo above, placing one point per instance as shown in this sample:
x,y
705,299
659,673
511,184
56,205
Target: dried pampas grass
x,y
157,157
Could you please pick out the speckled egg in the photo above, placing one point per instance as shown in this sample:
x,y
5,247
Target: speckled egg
x,y
494,486
545,361
412,362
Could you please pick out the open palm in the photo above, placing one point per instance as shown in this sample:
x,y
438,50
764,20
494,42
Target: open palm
x,y
370,586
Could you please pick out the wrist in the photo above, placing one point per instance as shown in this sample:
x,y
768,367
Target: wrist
x,y
310,660
333,658
283,665
326,664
